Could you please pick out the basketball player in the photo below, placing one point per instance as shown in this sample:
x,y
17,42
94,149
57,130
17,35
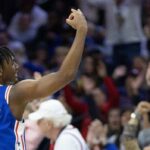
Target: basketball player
x,y
14,95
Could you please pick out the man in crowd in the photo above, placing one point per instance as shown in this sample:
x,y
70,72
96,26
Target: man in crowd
x,y
54,122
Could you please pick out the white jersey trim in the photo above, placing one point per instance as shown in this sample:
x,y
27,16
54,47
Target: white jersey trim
x,y
7,92
19,134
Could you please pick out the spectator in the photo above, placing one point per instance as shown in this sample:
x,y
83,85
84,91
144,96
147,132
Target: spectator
x,y
97,137
39,62
114,127
19,50
51,32
22,28
4,38
89,65
95,100
131,128
90,11
59,56
38,15
54,122
147,30
123,28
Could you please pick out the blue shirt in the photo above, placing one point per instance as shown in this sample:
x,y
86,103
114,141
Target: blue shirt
x,y
11,130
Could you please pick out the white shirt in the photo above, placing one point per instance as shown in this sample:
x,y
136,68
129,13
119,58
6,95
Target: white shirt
x,y
89,11
130,30
39,18
70,139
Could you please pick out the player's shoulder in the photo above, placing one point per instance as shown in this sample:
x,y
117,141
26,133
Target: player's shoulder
x,y
24,82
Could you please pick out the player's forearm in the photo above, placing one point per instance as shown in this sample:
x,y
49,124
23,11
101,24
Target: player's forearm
x,y
73,59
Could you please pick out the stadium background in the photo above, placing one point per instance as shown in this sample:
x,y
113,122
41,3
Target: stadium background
x,y
111,79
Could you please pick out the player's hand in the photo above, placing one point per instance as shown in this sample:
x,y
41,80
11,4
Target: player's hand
x,y
77,20
143,108
148,75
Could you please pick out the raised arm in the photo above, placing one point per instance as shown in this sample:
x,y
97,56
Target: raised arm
x,y
28,90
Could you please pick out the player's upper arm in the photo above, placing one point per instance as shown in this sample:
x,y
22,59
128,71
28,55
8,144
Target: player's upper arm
x,y
28,90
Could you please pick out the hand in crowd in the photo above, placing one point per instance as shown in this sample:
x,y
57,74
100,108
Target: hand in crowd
x,y
146,121
96,134
143,108
77,20
120,71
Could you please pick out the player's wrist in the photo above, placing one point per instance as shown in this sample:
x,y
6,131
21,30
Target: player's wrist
x,y
82,29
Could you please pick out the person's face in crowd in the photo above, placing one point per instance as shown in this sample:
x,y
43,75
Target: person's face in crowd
x,y
99,96
97,133
20,54
139,63
125,117
88,84
114,120
88,65
45,126
60,55
131,84
41,55
3,38
24,22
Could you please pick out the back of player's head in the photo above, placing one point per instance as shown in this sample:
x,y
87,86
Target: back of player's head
x,y
5,55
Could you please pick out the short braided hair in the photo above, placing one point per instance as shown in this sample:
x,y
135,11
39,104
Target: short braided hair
x,y
5,55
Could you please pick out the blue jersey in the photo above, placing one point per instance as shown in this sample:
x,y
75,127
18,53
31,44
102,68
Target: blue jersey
x,y
11,130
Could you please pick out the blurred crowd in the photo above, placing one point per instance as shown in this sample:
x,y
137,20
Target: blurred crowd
x,y
111,80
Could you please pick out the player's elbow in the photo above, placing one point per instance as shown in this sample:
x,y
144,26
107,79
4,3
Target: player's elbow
x,y
68,76
71,76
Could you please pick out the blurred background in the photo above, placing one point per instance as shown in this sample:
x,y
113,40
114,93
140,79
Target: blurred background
x,y
111,79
